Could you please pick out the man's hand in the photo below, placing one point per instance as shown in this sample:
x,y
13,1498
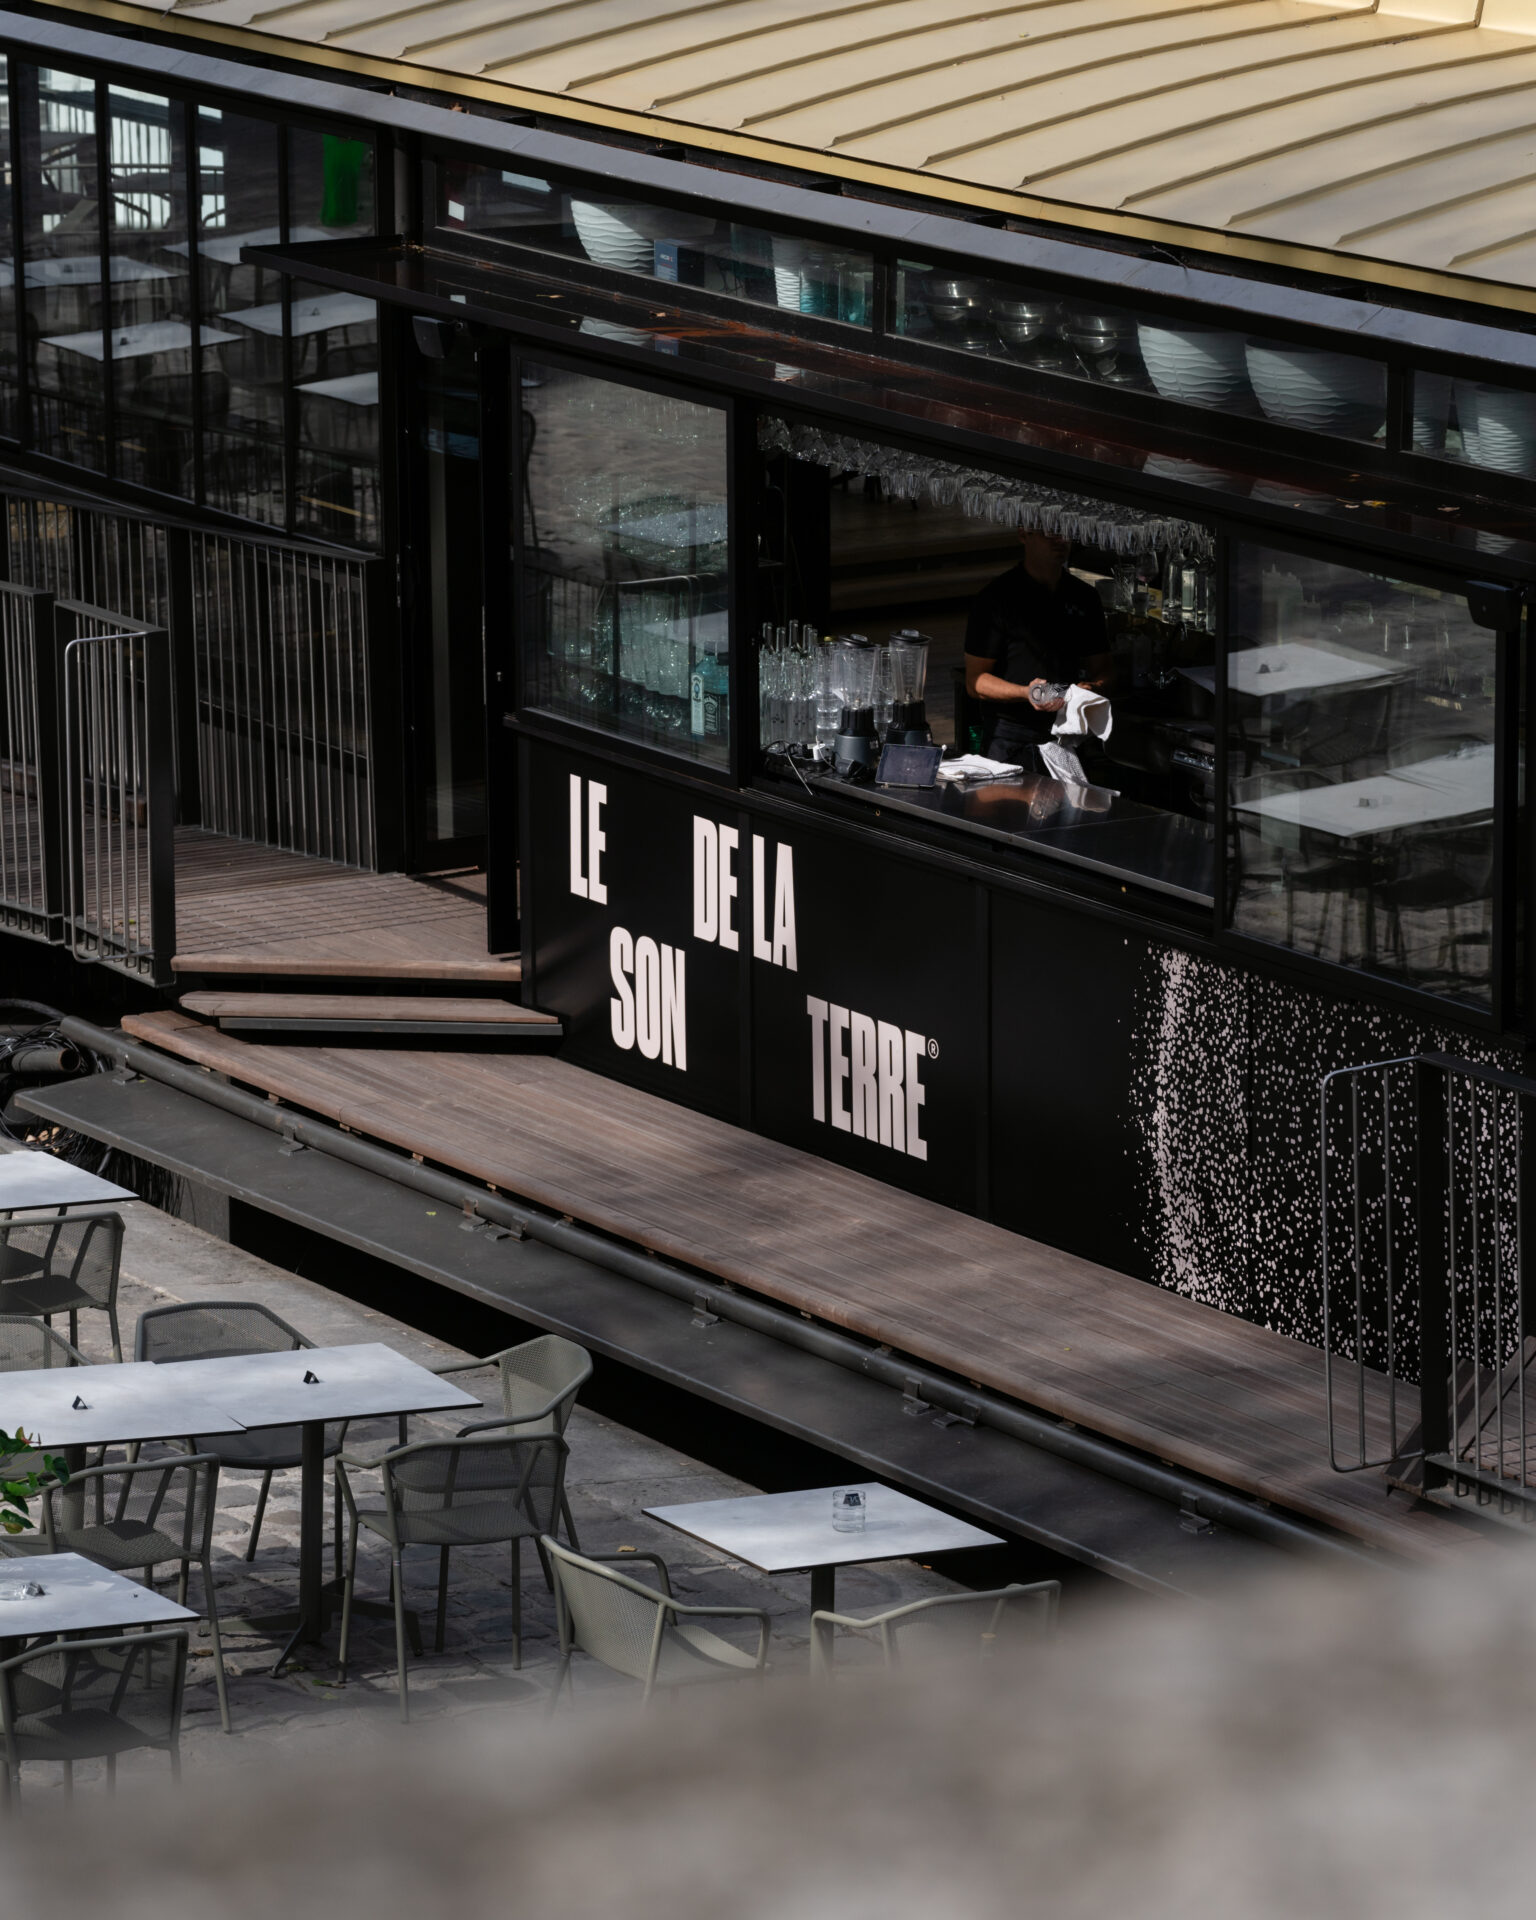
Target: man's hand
x,y
1042,706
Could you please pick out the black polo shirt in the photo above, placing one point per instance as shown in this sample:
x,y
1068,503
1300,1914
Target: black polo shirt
x,y
1029,631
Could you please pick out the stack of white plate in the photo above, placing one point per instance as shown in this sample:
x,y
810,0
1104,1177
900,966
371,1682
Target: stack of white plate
x,y
1202,367
1506,429
624,236
1431,411
1321,391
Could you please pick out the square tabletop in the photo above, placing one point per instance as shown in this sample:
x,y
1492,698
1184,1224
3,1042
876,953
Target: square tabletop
x,y
313,314
314,1383
778,1532
353,389
1291,666
1382,803
32,1179
98,1406
77,1597
144,337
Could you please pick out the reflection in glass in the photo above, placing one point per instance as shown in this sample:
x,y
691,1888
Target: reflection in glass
x,y
694,249
624,561
1474,423
10,371
335,346
153,363
1199,366
61,246
242,353
448,718
330,186
1362,771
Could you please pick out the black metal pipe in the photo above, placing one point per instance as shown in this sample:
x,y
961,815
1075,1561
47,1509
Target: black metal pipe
x,y
1189,1493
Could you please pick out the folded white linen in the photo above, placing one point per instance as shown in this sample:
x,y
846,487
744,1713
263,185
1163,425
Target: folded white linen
x,y
1061,763
1085,712
976,766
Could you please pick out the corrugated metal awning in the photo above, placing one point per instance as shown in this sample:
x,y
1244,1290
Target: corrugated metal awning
x,y
1274,127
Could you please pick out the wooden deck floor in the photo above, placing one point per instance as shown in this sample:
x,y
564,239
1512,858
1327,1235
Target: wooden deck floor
x,y
1199,1388
248,910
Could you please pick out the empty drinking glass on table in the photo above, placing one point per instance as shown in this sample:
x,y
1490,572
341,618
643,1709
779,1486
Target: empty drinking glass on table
x,y
849,1508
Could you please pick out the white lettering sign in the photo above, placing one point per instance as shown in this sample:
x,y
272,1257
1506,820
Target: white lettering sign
x,y
715,885
587,865
872,1071
649,1007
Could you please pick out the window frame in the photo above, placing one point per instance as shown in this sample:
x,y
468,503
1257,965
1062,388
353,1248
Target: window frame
x,y
521,713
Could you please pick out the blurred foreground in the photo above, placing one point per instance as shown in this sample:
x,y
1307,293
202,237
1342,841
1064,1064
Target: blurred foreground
x,y
1356,1747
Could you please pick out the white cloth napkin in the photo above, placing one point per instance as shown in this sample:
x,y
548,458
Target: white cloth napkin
x,y
1085,712
976,766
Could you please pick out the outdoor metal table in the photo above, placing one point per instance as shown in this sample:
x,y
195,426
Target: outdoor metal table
x,y
1448,786
77,1597
144,337
782,1532
72,1408
1291,666
305,1388
314,314
40,1182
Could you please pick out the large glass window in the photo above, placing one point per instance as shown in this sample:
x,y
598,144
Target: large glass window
x,y
1475,424
10,372
61,251
1361,714
623,561
1078,338
149,295
695,249
911,601
242,350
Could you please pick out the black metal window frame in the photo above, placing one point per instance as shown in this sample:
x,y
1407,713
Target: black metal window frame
x,y
1397,459
184,103
508,668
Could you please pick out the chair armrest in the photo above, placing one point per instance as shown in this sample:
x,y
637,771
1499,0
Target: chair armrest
x,y
823,1619
681,1610
628,1560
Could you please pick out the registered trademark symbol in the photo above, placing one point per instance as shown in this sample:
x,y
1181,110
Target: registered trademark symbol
x,y
933,1049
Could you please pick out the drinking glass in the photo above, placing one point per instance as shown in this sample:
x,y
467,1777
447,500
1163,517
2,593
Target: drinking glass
x,y
849,1509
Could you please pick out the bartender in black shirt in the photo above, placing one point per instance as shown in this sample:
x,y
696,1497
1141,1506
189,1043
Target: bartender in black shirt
x,y
1035,626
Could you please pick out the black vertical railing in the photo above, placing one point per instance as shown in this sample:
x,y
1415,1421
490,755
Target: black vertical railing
x,y
1427,1181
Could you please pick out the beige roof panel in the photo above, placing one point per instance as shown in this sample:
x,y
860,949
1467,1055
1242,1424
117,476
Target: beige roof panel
x,y
1393,140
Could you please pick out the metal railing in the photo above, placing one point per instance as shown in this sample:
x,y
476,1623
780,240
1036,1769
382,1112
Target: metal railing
x,y
283,706
90,555
1427,1353
119,792
29,742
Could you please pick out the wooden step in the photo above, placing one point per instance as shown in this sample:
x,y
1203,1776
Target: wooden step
x,y
292,961
373,1014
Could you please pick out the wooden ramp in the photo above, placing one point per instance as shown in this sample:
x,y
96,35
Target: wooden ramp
x,y
1180,1381
258,912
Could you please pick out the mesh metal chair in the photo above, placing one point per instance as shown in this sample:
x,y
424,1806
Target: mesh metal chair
x,y
539,1383
75,1700
639,1631
64,1266
952,1626
209,1330
162,1513
453,1493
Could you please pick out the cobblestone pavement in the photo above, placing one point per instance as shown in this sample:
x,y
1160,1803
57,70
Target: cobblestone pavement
x,y
612,1475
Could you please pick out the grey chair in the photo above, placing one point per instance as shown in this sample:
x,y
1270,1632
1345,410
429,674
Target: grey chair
x,y
641,1631
161,1514
539,1382
75,1700
483,1491
949,1626
216,1330
64,1266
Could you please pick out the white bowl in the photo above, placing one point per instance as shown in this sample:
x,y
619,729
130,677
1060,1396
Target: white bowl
x,y
1431,411
1202,367
1506,429
623,236
1321,391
